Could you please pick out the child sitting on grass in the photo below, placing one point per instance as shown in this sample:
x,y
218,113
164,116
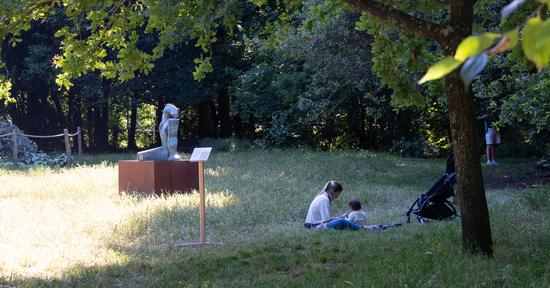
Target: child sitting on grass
x,y
356,216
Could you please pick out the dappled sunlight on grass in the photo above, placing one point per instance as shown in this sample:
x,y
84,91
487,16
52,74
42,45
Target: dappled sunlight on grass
x,y
71,225
217,171
54,219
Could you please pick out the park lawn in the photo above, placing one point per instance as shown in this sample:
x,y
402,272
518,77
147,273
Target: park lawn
x,y
70,227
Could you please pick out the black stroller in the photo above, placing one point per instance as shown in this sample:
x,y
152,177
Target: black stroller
x,y
434,204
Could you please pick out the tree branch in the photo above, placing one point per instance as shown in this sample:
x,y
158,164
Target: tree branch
x,y
402,20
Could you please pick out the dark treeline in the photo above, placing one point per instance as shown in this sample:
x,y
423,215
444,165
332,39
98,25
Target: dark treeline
x,y
313,86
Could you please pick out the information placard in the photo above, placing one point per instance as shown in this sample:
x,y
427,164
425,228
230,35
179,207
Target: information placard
x,y
200,154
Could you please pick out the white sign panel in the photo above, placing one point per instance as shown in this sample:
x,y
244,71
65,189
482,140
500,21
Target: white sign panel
x,y
200,154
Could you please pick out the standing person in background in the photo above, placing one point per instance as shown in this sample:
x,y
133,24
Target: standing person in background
x,y
492,137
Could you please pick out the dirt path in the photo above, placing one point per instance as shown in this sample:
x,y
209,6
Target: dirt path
x,y
520,176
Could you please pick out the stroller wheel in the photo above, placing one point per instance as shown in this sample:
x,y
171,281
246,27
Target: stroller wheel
x,y
420,220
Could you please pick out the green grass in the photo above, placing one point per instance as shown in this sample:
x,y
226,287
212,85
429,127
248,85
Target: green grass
x,y
70,227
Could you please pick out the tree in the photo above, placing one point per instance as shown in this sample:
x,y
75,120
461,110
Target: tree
x,y
298,89
476,230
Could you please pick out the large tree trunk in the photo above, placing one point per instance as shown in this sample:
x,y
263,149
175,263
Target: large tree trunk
x,y
361,125
224,115
101,119
115,131
133,124
61,120
476,229
74,104
98,130
160,107
71,109
78,113
206,123
90,126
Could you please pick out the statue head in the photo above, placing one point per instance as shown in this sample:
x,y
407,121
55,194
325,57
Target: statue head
x,y
170,112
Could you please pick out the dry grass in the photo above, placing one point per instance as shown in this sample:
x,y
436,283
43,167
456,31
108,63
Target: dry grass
x,y
72,225
54,219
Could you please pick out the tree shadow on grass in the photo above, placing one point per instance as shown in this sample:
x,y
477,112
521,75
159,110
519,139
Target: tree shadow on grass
x,y
413,255
264,241
519,175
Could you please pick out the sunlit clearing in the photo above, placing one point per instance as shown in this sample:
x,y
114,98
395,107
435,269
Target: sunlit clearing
x,y
52,220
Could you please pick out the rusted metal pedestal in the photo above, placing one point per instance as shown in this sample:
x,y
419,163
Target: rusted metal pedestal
x,y
158,177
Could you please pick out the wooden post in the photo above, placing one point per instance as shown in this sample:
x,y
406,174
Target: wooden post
x,y
200,155
202,204
67,144
79,138
14,147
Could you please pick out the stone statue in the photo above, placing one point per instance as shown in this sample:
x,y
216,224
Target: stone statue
x,y
168,130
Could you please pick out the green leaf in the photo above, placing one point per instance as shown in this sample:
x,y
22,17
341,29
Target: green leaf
x,y
440,69
543,36
472,67
474,45
508,9
513,39
532,50
5,87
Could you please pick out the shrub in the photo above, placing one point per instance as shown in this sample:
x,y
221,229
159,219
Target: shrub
x,y
419,148
27,150
26,147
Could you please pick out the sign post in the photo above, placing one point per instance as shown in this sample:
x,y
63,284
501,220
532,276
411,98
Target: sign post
x,y
200,155
202,204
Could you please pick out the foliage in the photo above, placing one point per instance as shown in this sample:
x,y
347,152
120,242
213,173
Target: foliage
x,y
315,84
299,74
226,145
102,35
278,93
521,98
398,58
26,147
416,148
27,150
535,43
544,163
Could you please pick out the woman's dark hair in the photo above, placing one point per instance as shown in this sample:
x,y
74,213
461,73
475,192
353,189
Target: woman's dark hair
x,y
333,186
354,204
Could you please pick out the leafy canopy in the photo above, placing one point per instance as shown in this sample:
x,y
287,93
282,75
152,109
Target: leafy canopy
x,y
474,50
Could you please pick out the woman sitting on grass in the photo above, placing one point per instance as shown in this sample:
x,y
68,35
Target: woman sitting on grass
x,y
318,215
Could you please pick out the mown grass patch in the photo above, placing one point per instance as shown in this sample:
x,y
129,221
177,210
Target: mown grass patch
x,y
70,227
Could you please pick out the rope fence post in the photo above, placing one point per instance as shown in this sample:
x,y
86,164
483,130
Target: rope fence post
x,y
79,138
67,144
14,147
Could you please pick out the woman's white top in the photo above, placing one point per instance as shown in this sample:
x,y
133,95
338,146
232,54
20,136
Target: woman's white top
x,y
357,217
319,209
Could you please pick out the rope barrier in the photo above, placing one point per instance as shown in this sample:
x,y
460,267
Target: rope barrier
x,y
41,136
65,134
9,134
